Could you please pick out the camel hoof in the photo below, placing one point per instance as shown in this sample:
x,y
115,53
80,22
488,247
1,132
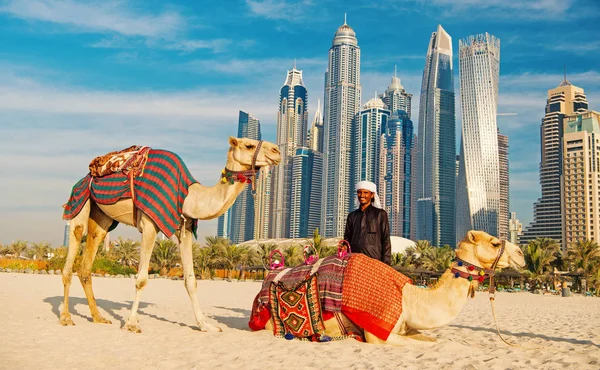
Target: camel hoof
x,y
101,320
133,328
65,320
210,328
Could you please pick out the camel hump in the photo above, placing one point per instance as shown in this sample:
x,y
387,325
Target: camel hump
x,y
112,162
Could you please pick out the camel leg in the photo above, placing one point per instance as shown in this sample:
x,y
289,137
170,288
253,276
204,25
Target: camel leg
x,y
98,224
396,339
185,245
149,232
77,229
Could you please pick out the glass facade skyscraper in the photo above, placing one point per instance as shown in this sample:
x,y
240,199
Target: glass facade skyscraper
x,y
396,97
305,215
292,129
436,152
372,122
341,105
397,175
478,183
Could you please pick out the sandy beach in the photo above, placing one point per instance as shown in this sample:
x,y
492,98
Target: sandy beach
x,y
567,329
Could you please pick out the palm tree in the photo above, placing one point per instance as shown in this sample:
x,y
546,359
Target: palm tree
x,y
3,250
595,278
40,250
126,252
403,260
165,255
583,255
17,248
438,259
204,260
234,257
261,255
292,255
539,255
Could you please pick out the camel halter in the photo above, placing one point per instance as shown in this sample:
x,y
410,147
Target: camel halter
x,y
245,176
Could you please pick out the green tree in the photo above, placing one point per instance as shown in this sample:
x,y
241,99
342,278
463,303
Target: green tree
x,y
126,252
438,259
234,257
539,255
165,255
205,259
17,248
40,250
583,255
292,255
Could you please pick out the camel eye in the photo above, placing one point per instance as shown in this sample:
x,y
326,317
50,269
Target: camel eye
x,y
496,243
250,146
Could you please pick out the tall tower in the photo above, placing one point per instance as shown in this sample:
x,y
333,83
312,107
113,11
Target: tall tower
x,y
315,135
504,216
342,103
241,227
397,175
263,204
305,205
292,125
515,229
436,152
396,97
547,222
372,122
581,174
478,183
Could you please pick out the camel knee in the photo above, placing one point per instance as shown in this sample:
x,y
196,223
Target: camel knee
x,y
85,277
66,277
140,283
190,283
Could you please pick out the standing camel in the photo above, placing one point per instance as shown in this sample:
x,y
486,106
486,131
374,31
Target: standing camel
x,y
477,256
245,156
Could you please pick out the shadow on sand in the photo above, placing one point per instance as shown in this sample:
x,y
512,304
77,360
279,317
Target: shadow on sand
x,y
109,306
529,335
233,322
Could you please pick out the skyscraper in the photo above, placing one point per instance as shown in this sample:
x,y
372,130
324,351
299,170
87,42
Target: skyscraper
x,y
396,97
315,134
241,219
397,175
478,184
305,205
547,222
515,229
372,122
503,219
581,170
263,204
223,224
292,126
342,103
436,145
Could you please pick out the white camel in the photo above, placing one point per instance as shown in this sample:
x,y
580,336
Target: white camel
x,y
202,203
431,308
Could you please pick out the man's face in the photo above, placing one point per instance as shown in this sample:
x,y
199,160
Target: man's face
x,y
364,197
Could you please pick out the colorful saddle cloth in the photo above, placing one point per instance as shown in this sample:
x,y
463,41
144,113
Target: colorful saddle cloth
x,y
365,290
160,184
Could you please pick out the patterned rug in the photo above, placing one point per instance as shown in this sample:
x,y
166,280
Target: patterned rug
x,y
331,278
159,191
372,294
296,311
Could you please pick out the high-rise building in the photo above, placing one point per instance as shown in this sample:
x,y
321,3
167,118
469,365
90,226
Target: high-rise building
x,y
262,204
241,218
436,145
581,175
292,126
515,229
547,222
396,97
397,175
66,234
372,122
307,170
504,215
315,134
478,184
223,224
342,103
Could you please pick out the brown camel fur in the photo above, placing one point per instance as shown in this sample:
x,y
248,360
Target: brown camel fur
x,y
202,203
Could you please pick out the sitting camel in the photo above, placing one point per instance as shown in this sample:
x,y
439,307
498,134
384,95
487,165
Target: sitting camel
x,y
244,158
477,256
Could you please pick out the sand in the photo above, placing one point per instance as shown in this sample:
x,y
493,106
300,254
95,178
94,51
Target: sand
x,y
567,329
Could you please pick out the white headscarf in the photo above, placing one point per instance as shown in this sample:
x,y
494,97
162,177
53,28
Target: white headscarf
x,y
368,185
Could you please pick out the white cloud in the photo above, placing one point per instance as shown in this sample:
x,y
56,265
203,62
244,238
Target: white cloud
x,y
185,45
254,67
517,9
293,11
96,16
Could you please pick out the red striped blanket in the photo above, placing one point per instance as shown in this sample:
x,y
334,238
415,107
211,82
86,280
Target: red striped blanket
x,y
159,191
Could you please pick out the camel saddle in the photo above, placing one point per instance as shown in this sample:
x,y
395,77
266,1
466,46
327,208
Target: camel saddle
x,y
132,158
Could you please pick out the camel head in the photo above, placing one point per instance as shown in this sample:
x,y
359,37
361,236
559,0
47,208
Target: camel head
x,y
243,151
481,249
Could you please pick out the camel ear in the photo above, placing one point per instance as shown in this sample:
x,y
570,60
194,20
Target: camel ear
x,y
233,141
472,236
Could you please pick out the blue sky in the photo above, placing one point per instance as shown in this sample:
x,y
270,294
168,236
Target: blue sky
x,y
79,79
